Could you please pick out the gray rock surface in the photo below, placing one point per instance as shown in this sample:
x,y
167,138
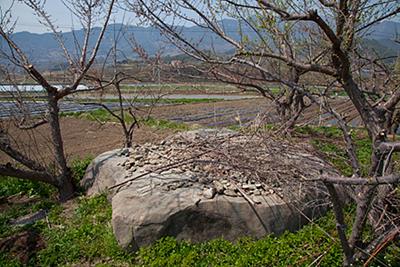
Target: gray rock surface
x,y
200,185
104,171
186,215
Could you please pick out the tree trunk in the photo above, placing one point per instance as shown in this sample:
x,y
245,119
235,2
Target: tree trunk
x,y
66,187
128,140
65,183
368,114
373,119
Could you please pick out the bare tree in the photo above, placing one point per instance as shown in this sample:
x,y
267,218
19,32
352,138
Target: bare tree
x,y
130,111
269,76
87,12
119,113
294,43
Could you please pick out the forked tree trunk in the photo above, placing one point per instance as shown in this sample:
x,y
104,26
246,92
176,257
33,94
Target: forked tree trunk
x,y
128,138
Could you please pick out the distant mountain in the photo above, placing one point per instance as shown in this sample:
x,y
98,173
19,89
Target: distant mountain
x,y
381,38
383,31
44,50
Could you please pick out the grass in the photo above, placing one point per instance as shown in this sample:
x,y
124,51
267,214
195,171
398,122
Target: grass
x,y
85,236
104,116
20,209
11,186
289,249
32,197
93,115
328,141
166,124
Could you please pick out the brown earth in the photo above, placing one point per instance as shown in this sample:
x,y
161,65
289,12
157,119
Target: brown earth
x,y
84,137
81,138
22,245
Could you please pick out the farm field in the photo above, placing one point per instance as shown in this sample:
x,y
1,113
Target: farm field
x,y
91,132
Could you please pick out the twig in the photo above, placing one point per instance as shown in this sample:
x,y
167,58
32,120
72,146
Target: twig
x,y
391,236
252,202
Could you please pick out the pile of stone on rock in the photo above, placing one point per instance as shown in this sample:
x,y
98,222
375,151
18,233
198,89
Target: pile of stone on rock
x,y
223,162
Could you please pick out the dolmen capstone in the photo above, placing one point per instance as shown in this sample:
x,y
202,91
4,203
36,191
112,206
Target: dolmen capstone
x,y
206,184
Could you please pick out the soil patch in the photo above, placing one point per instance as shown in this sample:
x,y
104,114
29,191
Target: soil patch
x,y
22,245
81,138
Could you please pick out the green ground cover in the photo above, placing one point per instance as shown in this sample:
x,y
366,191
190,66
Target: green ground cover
x,y
80,232
104,116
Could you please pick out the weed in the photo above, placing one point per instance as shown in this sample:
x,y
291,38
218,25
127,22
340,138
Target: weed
x,y
17,210
11,186
31,196
166,124
87,236
325,131
289,249
7,261
328,141
79,166
104,116
93,115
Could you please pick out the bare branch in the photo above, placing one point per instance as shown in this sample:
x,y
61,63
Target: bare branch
x,y
8,170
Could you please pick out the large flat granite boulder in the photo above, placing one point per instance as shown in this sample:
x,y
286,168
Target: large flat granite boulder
x,y
206,184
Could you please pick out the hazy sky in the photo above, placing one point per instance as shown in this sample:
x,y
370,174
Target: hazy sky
x,y
26,20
